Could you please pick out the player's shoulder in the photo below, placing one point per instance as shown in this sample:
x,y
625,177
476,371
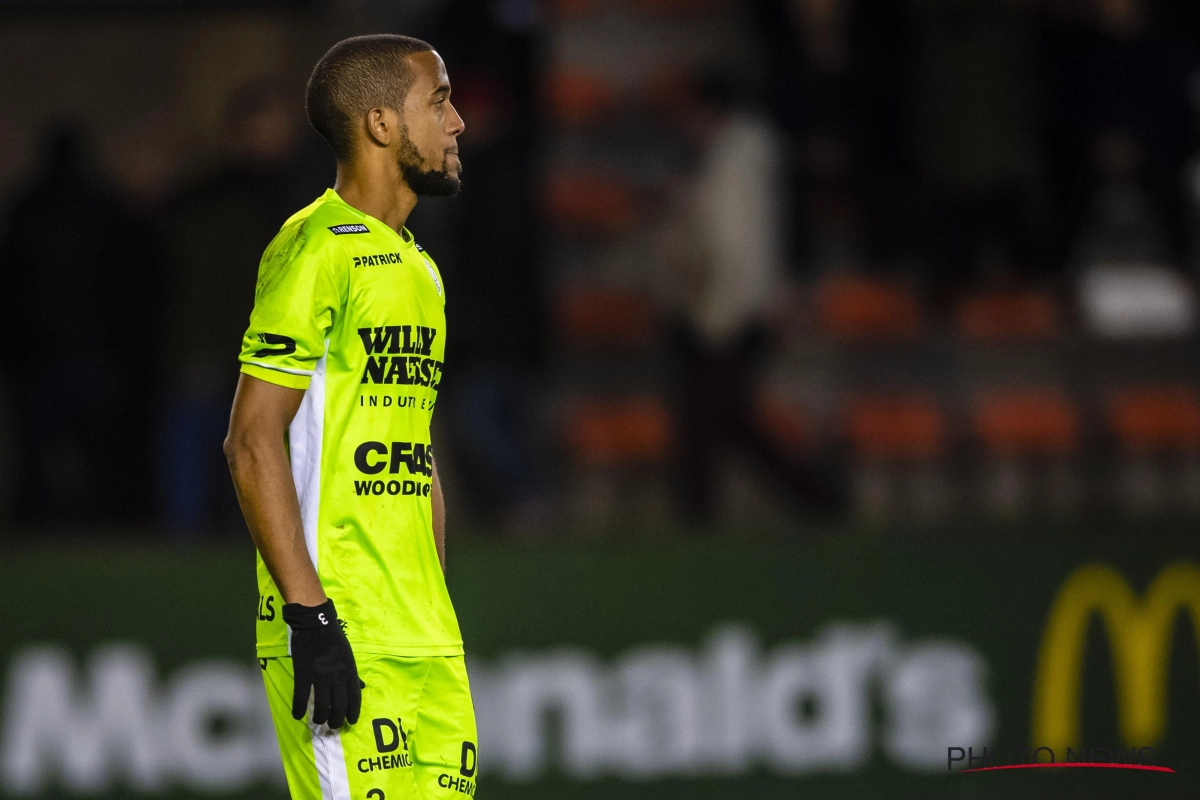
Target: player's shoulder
x,y
329,219
305,242
328,222
316,230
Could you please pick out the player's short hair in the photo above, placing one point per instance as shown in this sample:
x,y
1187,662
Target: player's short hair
x,y
356,75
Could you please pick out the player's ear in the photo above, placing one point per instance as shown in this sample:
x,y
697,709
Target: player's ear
x,y
381,126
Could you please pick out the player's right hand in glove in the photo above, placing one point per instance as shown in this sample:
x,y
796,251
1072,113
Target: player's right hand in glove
x,y
323,665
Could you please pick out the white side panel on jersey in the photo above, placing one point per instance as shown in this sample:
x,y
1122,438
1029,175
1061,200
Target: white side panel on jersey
x,y
304,437
331,761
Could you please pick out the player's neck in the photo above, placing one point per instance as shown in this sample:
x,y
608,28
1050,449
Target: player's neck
x,y
376,189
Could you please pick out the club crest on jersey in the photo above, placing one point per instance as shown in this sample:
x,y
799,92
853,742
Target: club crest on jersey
x,y
433,275
357,227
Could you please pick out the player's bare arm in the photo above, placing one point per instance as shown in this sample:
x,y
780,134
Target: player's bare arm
x,y
262,476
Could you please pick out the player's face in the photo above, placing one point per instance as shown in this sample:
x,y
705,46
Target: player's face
x,y
428,154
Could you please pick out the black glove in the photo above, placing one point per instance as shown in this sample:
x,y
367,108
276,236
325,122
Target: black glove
x,y
322,659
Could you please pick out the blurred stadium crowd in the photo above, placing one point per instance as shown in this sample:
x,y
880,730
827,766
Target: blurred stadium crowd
x,y
715,262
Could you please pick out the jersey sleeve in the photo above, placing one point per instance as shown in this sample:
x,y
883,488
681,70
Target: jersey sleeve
x,y
297,299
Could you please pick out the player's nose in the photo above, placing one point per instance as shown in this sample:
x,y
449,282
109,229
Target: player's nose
x,y
457,126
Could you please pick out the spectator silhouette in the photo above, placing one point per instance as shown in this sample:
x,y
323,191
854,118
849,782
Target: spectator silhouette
x,y
1121,65
490,250
214,233
725,255
76,286
1124,225
496,316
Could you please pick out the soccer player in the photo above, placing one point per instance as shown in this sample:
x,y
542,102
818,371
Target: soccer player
x,y
329,448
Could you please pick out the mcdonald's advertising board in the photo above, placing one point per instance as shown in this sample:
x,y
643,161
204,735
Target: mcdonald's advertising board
x,y
843,666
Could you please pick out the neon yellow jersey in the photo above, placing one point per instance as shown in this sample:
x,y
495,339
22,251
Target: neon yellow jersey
x,y
353,312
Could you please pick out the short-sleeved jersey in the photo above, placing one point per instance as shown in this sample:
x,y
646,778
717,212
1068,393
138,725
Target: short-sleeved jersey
x,y
353,312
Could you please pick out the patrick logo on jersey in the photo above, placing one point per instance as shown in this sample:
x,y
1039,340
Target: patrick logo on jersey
x,y
400,355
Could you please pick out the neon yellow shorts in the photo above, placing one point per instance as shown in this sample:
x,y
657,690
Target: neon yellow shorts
x,y
415,739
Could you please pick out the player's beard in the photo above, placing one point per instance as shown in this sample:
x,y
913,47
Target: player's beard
x,y
424,181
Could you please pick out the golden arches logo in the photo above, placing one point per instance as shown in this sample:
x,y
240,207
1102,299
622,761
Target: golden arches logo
x,y
1140,635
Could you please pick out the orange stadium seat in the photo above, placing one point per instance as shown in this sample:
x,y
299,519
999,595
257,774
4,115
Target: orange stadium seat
x,y
896,427
591,203
1041,422
863,308
580,98
668,88
785,422
605,316
1156,419
1008,316
611,432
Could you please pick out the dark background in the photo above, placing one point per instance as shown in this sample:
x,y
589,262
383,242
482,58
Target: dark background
x,y
777,312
